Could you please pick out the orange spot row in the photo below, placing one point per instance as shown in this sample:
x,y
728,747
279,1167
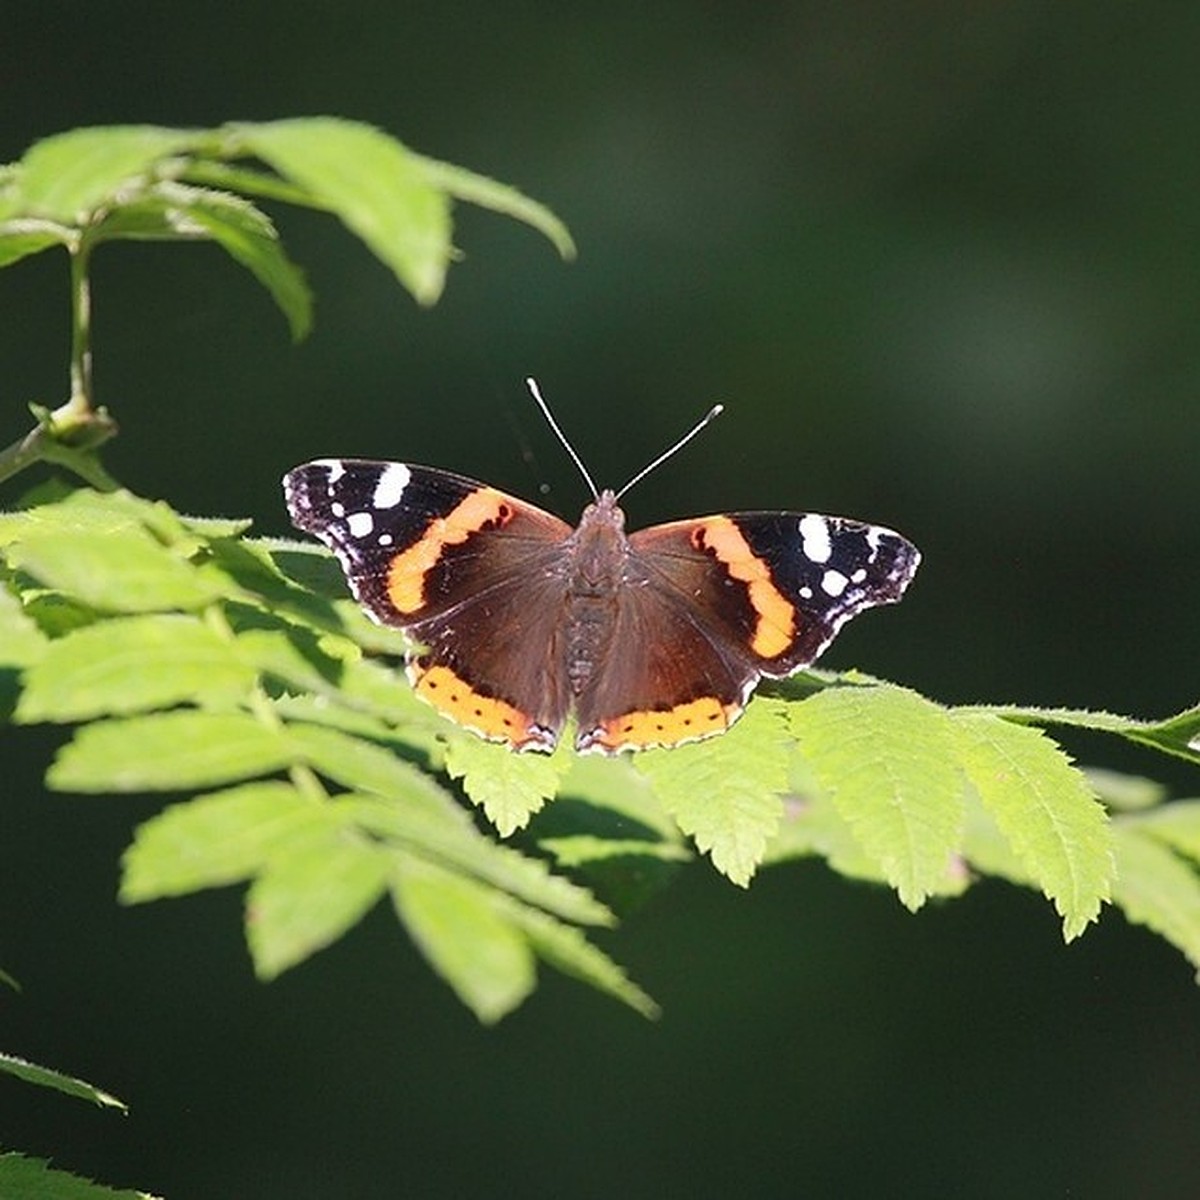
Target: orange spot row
x,y
776,625
408,570
683,723
456,699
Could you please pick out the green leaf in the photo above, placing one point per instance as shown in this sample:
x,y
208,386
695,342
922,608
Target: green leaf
x,y
578,850
1122,792
357,763
1178,735
509,786
216,529
23,237
615,789
384,690
249,238
1155,888
887,758
306,663
291,655
133,664
216,840
565,948
988,850
175,210
127,571
22,643
171,751
499,197
440,833
1176,825
813,826
97,515
607,821
312,889
1045,809
375,185
725,792
466,934
32,1179
69,176
67,1084
248,181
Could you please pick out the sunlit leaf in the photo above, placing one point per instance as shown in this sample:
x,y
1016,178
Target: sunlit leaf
x,y
441,835
373,183
22,643
1156,888
499,197
32,1179
68,176
313,887
565,948
170,751
128,572
508,786
725,792
67,1084
216,840
466,935
1045,808
130,665
1176,825
21,238
888,760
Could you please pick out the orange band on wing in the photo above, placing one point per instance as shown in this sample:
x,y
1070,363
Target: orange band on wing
x,y
406,576
776,625
453,697
684,723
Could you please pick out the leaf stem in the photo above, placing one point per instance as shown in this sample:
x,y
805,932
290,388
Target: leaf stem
x,y
81,329
70,434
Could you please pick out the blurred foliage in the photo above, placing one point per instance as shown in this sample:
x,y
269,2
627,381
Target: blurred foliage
x,y
940,266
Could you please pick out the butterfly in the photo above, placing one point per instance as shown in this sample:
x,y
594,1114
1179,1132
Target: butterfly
x,y
650,638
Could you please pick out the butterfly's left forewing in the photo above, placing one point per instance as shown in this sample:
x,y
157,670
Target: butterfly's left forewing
x,y
413,541
464,568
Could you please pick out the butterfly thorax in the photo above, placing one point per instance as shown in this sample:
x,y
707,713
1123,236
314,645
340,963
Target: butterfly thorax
x,y
598,550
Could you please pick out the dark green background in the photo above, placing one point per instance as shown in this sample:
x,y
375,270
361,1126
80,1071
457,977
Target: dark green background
x,y
941,262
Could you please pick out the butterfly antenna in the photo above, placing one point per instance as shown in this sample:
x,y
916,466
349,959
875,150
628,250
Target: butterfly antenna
x,y
531,384
711,415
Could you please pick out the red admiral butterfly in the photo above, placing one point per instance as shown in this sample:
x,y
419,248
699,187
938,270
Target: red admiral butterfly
x,y
650,639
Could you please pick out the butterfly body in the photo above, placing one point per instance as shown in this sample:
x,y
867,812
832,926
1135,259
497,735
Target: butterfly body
x,y
651,638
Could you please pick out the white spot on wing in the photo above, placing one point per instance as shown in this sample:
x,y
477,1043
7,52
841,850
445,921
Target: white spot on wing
x,y
360,524
334,467
833,583
815,533
390,488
